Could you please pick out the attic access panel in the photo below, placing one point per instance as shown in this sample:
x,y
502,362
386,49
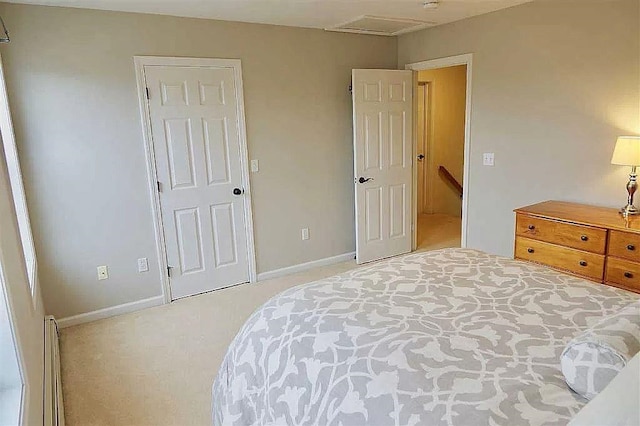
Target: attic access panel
x,y
377,25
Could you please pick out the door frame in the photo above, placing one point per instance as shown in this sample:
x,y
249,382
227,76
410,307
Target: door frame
x,y
426,145
450,61
140,62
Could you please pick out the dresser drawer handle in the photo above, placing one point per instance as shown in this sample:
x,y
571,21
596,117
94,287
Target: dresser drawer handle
x,y
631,247
583,263
532,227
584,238
628,275
530,250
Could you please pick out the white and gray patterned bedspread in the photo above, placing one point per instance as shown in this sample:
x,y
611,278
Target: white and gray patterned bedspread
x,y
453,337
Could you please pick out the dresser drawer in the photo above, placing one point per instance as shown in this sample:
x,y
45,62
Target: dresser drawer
x,y
623,273
625,245
566,234
585,264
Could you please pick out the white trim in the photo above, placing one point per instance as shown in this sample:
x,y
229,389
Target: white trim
x,y
449,61
110,312
414,168
159,300
16,182
277,273
466,59
142,61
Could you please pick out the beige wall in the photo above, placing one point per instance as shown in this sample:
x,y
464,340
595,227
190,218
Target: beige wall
x,y
72,89
26,314
540,102
447,93
554,84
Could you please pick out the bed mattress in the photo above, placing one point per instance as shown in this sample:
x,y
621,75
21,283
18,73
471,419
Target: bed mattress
x,y
455,337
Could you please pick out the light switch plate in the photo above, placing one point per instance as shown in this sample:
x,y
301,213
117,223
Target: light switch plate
x,y
143,264
103,273
488,159
305,234
255,166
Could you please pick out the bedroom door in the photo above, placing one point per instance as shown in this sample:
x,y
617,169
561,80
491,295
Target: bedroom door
x,y
196,136
382,123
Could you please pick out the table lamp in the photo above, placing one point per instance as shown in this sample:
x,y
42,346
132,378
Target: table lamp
x,y
627,153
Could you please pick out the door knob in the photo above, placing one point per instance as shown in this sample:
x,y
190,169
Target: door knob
x,y
420,157
238,191
363,180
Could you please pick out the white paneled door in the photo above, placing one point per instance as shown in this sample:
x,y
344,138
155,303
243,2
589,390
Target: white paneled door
x,y
382,115
196,135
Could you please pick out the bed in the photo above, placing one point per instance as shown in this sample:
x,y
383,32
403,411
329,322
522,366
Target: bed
x,y
455,337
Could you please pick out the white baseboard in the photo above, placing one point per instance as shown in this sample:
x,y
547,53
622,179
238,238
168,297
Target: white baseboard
x,y
305,266
159,300
111,311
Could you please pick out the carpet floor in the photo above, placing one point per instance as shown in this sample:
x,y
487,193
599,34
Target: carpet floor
x,y
156,366
437,231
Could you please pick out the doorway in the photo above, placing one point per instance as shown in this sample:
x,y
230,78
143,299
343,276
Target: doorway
x,y
441,148
193,116
386,151
440,156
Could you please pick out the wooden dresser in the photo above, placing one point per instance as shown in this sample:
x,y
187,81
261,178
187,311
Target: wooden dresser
x,y
595,243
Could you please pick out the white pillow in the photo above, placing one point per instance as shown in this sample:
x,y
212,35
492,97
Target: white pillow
x,y
617,405
593,358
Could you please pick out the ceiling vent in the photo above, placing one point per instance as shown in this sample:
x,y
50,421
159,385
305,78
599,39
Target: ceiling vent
x,y
377,25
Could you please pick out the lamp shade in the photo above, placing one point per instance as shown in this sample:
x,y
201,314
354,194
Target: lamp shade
x,y
627,151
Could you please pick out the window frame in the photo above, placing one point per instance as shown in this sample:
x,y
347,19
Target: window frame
x,y
8,142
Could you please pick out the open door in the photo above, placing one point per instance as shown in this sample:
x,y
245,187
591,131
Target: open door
x,y
382,123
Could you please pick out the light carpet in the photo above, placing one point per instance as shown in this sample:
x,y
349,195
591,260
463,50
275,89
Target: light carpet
x,y
437,231
157,366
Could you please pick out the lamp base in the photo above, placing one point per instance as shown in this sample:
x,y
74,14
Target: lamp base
x,y
629,210
632,186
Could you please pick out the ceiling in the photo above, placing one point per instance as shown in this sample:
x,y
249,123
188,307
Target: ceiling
x,y
296,13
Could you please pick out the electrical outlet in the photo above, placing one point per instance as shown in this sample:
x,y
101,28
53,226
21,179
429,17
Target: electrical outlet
x,y
488,159
143,264
305,234
103,273
255,166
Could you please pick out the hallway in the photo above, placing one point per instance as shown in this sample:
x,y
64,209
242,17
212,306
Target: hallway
x,y
436,231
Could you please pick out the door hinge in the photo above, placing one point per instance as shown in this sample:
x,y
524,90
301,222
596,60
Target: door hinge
x,y
169,268
159,186
147,92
